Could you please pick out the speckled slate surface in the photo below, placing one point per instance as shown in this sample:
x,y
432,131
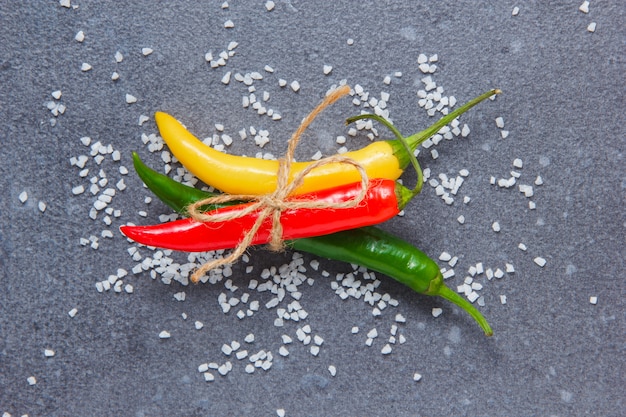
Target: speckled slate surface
x,y
553,352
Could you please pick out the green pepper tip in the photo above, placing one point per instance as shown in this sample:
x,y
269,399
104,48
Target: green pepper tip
x,y
438,288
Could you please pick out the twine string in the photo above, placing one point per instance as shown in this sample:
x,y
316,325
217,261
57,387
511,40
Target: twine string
x,y
273,204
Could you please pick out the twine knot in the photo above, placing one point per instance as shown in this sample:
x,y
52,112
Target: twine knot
x,y
273,204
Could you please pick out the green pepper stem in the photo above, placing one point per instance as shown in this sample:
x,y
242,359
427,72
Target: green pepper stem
x,y
405,145
448,294
418,138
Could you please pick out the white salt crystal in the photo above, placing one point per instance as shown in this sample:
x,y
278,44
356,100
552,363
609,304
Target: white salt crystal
x,y
584,7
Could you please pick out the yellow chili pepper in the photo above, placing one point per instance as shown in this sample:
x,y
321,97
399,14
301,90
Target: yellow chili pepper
x,y
244,175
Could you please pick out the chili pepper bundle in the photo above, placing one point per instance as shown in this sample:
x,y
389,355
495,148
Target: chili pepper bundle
x,y
351,205
370,247
252,176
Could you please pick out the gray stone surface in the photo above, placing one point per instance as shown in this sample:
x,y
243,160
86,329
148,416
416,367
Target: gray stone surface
x,y
553,352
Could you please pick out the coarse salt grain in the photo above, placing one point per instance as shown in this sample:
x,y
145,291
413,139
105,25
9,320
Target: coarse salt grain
x,y
417,377
295,86
164,334
540,261
85,67
584,7
436,312
146,51
269,5
229,24
593,300
496,227
130,99
591,27
48,353
23,197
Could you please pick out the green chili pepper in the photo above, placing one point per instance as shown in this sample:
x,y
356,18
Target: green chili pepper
x,y
370,247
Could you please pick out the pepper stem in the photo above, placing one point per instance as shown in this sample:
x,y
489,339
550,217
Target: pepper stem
x,y
445,292
418,138
405,145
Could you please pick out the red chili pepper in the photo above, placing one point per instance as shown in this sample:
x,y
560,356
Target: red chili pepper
x,y
383,200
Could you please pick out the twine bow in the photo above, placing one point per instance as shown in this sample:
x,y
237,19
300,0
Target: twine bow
x,y
273,204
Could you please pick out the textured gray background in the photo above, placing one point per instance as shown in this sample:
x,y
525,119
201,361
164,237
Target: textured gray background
x,y
553,353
